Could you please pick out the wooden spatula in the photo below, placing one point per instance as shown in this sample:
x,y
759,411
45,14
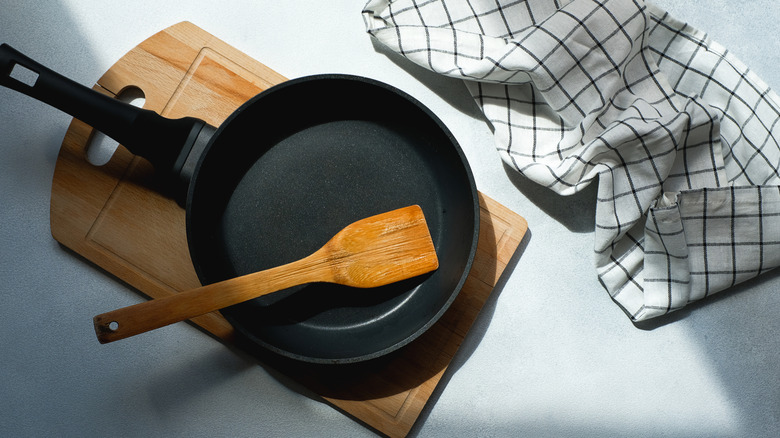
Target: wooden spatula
x,y
371,252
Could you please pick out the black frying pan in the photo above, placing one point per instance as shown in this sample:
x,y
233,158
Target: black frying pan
x,y
284,173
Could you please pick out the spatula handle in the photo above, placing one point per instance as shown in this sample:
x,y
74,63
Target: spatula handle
x,y
143,317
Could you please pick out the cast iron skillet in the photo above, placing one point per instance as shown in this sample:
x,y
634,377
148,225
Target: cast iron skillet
x,y
285,172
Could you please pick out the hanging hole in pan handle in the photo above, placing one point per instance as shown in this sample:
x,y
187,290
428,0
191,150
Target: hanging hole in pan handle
x,y
23,75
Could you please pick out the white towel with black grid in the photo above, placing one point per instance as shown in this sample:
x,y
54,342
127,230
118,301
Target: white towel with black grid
x,y
680,135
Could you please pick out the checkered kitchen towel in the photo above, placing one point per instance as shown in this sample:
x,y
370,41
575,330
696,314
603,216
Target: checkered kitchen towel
x,y
681,136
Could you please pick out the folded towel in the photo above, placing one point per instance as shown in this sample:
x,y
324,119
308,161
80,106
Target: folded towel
x,y
681,136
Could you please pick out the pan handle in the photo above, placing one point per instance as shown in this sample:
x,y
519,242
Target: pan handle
x,y
164,142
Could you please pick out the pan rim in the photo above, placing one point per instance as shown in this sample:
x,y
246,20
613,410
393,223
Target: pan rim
x,y
465,168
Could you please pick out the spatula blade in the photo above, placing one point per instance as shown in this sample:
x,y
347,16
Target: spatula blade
x,y
383,249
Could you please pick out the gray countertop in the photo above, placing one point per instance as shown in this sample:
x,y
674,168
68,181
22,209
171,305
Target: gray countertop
x,y
550,354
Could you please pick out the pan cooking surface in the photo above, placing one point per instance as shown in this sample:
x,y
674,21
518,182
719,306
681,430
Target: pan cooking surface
x,y
322,178
287,172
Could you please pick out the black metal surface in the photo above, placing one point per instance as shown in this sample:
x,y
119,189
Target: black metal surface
x,y
282,175
299,162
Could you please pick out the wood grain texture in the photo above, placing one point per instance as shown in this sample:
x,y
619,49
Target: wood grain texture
x,y
114,217
368,253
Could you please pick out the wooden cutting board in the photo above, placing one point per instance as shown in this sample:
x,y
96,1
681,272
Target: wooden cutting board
x,y
113,216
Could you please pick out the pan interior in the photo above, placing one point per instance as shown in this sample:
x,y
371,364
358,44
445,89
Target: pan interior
x,y
293,167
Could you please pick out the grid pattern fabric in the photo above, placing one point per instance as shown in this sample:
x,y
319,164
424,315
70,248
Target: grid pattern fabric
x,y
679,135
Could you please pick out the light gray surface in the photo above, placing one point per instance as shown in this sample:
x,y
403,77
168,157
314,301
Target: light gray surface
x,y
550,355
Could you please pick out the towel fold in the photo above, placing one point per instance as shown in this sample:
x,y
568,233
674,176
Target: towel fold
x,y
680,136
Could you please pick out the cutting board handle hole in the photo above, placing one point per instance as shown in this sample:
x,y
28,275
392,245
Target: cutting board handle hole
x,y
100,148
113,326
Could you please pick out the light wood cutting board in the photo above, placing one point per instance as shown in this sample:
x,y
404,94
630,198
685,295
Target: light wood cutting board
x,y
113,216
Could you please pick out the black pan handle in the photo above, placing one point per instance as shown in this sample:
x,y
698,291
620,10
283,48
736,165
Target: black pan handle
x,y
164,142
